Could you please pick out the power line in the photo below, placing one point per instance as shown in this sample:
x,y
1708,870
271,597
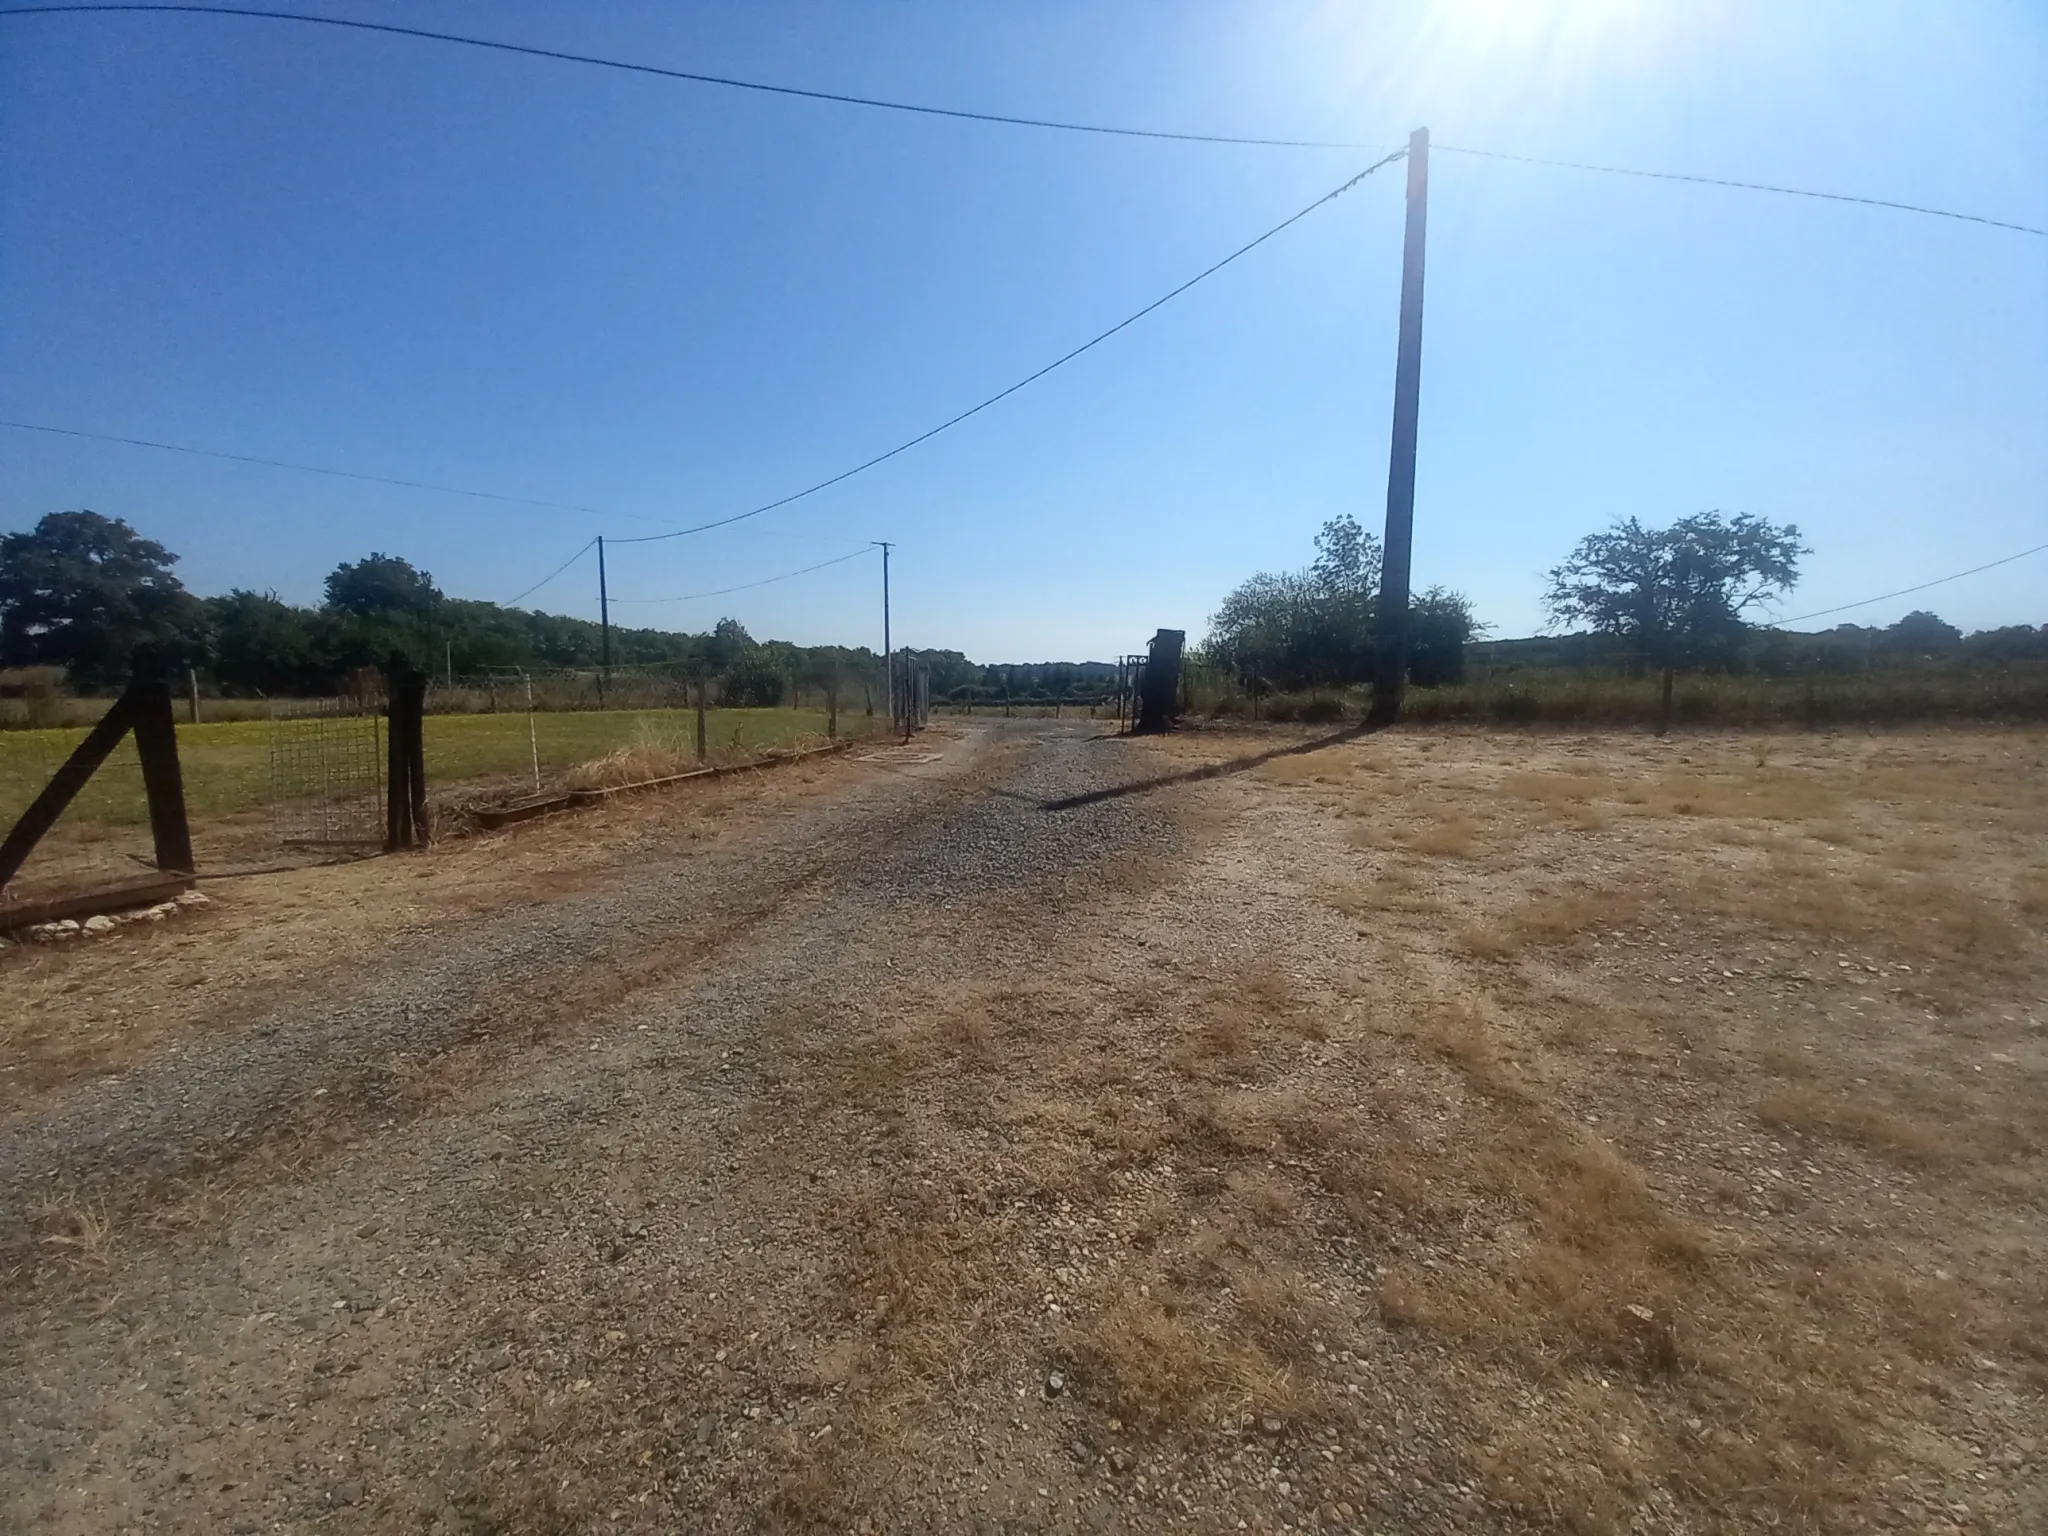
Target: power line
x,y
1030,378
1745,186
1005,119
746,586
1821,613
321,469
551,575
692,76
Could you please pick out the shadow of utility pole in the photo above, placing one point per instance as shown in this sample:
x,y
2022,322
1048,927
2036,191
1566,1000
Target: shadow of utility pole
x,y
1213,770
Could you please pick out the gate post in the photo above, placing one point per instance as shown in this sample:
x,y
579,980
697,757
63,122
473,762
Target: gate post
x,y
405,778
163,783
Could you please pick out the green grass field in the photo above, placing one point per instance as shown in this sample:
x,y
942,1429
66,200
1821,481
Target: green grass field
x,y
227,764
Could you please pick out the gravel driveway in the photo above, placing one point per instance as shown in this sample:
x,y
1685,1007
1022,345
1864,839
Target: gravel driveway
x,y
1420,1133
177,1386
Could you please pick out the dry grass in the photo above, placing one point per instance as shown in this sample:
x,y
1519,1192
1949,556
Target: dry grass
x,y
1448,837
1719,1221
82,1236
1549,919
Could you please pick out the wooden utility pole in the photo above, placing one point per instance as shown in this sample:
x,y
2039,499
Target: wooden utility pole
x,y
1390,662
604,623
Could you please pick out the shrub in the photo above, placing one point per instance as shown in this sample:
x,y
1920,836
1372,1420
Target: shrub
x,y
1321,710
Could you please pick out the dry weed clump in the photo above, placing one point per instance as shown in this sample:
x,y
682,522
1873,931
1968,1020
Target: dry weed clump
x,y
82,1236
634,763
1159,1364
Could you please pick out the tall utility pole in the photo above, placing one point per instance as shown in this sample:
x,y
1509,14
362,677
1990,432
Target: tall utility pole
x,y
1390,664
604,623
888,655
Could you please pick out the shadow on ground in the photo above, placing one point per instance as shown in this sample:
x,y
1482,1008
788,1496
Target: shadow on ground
x,y
1220,770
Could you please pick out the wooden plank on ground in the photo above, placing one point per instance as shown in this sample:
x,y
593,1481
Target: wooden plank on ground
x,y
110,898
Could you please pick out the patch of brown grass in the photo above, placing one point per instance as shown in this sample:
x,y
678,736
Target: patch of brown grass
x,y
1394,887
1158,1364
1557,789
1926,917
1940,1134
81,1236
1553,919
1769,794
1450,836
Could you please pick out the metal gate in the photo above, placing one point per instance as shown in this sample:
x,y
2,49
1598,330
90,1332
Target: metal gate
x,y
327,773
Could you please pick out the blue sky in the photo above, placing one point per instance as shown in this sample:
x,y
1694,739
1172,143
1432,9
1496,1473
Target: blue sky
x,y
676,302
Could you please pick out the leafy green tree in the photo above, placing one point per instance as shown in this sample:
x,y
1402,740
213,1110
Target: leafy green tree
x,y
1347,562
381,586
262,645
1921,633
1440,626
83,591
1314,628
2014,642
1677,595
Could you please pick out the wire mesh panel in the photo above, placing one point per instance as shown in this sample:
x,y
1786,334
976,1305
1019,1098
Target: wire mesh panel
x,y
327,773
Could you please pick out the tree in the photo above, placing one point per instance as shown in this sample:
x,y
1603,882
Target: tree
x,y
381,586
84,591
1440,626
1347,562
1304,629
1677,594
1921,633
262,645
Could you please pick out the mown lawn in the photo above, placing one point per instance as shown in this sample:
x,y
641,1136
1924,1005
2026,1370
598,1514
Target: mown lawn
x,y
226,764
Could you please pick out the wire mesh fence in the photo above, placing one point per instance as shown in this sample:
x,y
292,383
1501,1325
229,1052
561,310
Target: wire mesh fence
x,y
327,773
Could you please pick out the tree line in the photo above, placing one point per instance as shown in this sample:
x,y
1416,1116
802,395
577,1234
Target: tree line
x,y
1682,598
83,592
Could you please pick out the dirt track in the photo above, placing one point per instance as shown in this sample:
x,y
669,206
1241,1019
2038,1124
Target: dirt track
x,y
946,1145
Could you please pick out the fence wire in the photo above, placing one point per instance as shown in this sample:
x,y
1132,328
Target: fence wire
x,y
327,773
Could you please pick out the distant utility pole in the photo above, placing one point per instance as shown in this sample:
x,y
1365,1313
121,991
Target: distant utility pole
x,y
888,656
604,623
1390,667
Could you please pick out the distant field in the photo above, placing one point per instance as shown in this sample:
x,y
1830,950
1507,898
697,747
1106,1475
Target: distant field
x,y
227,764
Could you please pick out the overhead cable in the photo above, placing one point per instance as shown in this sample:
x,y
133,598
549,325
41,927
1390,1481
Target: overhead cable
x,y
693,76
321,469
1031,378
1821,613
746,586
551,575
1005,119
1745,186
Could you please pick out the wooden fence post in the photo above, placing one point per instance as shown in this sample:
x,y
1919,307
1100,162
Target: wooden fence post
x,y
156,743
405,779
416,753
